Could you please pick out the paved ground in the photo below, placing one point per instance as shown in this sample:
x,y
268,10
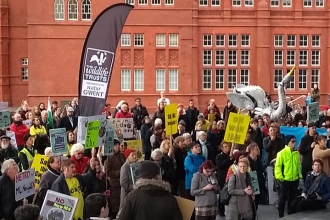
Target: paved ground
x,y
265,212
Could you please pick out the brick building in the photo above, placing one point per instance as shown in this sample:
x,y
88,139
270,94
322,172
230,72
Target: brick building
x,y
189,48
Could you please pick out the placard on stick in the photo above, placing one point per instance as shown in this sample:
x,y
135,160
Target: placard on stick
x,y
236,128
171,119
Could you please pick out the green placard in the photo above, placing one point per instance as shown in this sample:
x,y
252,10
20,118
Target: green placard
x,y
92,134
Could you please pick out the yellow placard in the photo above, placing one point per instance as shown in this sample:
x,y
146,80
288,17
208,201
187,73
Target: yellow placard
x,y
135,145
40,165
171,119
236,128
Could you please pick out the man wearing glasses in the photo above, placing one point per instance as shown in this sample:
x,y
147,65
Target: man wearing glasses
x,y
288,172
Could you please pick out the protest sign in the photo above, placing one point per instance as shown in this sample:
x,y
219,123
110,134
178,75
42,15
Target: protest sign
x,y
186,207
313,112
28,123
92,134
236,128
107,148
171,119
58,206
135,145
255,183
24,184
82,127
12,138
58,141
123,127
135,173
4,119
39,164
3,106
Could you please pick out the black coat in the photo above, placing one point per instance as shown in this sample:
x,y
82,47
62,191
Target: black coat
x,y
144,137
10,153
215,140
138,115
179,156
46,182
192,115
306,151
65,123
272,148
257,137
223,162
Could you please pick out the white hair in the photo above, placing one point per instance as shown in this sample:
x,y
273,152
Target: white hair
x,y
17,115
158,121
44,112
76,147
200,133
6,165
186,135
48,150
120,103
157,153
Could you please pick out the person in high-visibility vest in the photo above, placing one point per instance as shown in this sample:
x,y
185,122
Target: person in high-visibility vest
x,y
26,155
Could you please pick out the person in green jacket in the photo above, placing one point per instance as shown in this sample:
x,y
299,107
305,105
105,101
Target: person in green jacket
x,y
288,172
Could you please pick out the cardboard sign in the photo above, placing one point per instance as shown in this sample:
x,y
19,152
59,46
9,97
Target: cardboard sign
x,y
58,206
82,127
186,207
24,184
39,164
137,146
3,106
12,138
255,183
313,112
236,128
28,123
123,127
4,119
92,134
107,148
171,119
58,141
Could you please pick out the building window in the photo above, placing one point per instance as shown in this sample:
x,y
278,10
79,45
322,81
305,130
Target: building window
x,y
173,80
291,41
173,40
169,2
302,83
125,40
316,58
278,40
303,42
245,40
290,57
315,77
278,57
215,2
219,79
138,40
287,3
131,2
160,39
219,57
245,57
25,73
319,3
207,40
86,10
25,61
138,80
307,3
125,80
207,57
248,2
232,78
232,57
59,9
245,76
236,2
160,80
232,42
203,2
278,76
220,40
274,3
143,2
155,2
73,10
292,82
316,40
303,57
207,79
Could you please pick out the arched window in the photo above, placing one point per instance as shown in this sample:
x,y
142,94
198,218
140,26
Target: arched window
x,y
86,10
73,10
59,9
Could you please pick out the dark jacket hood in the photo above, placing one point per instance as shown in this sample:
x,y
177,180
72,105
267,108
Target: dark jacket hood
x,y
153,187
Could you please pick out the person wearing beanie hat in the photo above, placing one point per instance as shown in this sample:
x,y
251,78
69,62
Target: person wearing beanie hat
x,y
288,171
181,129
150,187
26,155
126,180
127,152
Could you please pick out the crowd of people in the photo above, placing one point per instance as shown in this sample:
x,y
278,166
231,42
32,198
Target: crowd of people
x,y
195,163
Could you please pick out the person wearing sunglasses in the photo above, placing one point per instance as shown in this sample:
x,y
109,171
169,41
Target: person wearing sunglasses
x,y
288,173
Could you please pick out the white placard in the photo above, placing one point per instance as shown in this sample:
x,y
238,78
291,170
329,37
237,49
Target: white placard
x,y
24,184
270,179
3,106
123,127
12,138
82,127
28,123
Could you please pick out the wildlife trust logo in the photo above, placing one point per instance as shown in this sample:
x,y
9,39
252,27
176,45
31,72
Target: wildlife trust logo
x,y
98,64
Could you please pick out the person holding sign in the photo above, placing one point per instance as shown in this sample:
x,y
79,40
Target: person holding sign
x,y
26,155
70,183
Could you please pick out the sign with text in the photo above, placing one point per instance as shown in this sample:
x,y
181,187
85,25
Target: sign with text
x,y
255,183
313,112
12,138
58,141
58,206
4,119
39,164
92,134
3,106
123,127
24,184
107,148
236,128
171,119
82,127
135,145
28,123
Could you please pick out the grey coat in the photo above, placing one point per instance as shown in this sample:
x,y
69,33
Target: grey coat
x,y
203,198
126,182
232,212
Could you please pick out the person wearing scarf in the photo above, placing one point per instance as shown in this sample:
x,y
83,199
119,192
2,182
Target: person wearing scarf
x,y
241,192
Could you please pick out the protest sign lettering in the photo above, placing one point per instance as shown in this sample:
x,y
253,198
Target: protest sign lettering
x,y
82,127
171,119
39,164
58,141
236,128
92,134
24,184
123,128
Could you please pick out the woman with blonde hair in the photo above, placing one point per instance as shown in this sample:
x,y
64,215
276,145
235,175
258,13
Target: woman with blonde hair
x,y
198,128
